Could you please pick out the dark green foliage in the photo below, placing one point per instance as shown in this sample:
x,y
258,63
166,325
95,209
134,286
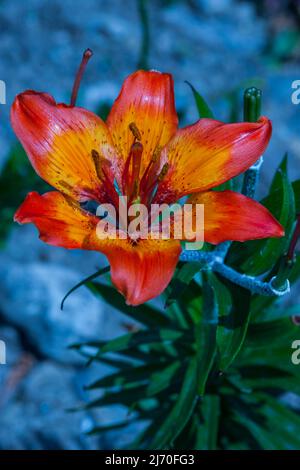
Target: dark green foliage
x,y
208,371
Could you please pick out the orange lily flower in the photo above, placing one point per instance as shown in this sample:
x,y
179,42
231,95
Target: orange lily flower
x,y
141,152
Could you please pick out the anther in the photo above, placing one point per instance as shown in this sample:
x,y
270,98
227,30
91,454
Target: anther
x,y
100,163
156,153
136,133
163,172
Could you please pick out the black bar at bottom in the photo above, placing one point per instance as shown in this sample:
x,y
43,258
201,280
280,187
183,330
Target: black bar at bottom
x,y
149,459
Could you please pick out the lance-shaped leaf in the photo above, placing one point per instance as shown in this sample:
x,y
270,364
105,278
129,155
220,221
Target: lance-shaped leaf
x,y
179,415
184,274
124,378
205,332
144,314
109,427
131,340
98,273
259,256
203,109
260,377
208,416
163,378
273,334
267,252
234,311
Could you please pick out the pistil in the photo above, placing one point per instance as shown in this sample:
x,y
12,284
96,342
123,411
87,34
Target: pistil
x,y
85,58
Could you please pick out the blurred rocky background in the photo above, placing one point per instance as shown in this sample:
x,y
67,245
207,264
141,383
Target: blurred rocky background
x,y
220,46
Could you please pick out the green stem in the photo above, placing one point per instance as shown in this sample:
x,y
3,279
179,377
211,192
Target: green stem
x,y
252,112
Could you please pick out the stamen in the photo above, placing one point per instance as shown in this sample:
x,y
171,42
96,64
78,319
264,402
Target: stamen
x,y
129,178
163,172
98,162
136,133
136,151
153,183
125,175
149,173
156,153
101,165
135,190
85,58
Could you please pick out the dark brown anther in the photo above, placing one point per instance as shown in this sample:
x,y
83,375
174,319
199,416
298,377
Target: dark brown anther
x,y
163,172
97,162
136,133
156,154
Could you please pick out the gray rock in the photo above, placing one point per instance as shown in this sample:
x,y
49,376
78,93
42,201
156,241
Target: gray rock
x,y
13,353
30,298
36,418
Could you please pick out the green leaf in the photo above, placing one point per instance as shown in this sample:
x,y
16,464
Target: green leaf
x,y
259,256
181,411
181,280
109,427
162,379
296,188
208,423
277,311
267,440
281,421
276,333
259,377
275,426
204,110
234,309
83,282
128,376
205,332
279,357
132,340
285,213
144,314
116,363
127,397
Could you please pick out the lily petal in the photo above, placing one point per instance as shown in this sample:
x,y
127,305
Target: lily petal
x,y
139,271
60,221
146,99
209,153
142,272
232,216
59,141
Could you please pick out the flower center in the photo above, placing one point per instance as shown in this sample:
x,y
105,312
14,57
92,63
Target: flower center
x,y
139,184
